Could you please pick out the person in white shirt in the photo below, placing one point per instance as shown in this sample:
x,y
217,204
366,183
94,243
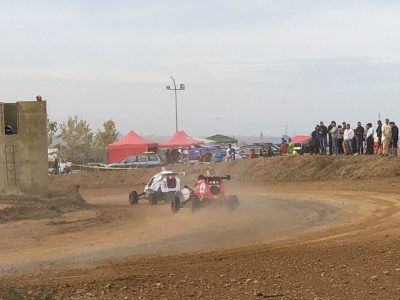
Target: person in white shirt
x,y
370,139
348,136
386,137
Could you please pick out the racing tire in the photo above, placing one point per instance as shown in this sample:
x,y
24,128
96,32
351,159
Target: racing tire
x,y
153,200
176,203
232,202
196,204
133,198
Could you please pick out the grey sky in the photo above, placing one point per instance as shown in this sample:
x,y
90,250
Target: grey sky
x,y
257,65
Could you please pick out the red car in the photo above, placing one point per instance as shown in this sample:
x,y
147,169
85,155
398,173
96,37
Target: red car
x,y
209,190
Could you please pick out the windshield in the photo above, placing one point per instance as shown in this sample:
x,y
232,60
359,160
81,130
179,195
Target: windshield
x,y
152,157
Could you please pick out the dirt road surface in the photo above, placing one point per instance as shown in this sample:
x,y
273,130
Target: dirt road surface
x,y
335,239
115,229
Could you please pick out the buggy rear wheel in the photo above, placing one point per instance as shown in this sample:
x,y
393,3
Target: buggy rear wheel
x,y
133,198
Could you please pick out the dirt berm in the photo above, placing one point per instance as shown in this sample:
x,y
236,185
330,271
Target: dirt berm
x,y
289,168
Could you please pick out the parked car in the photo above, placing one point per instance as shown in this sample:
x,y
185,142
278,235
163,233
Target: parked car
x,y
245,150
302,148
143,160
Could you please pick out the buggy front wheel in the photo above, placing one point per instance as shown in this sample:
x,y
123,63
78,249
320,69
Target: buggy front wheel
x,y
133,198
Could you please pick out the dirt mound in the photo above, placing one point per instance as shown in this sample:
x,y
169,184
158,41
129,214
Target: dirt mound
x,y
294,168
20,207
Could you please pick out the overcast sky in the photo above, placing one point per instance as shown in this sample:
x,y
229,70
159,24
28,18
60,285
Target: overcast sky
x,y
248,66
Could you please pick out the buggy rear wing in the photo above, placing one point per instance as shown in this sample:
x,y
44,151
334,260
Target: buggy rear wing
x,y
165,172
225,177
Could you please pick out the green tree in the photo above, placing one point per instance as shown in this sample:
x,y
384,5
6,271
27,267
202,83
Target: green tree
x,y
52,128
76,140
105,136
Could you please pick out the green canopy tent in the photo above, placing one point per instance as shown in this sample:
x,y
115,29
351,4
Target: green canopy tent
x,y
222,139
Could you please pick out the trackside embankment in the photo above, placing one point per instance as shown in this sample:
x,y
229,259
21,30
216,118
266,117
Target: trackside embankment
x,y
261,170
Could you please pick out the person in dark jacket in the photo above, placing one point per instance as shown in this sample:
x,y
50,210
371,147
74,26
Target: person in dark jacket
x,y
340,139
314,142
330,144
323,133
270,153
395,139
359,135
379,134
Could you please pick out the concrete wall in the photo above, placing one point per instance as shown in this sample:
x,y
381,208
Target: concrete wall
x,y
30,148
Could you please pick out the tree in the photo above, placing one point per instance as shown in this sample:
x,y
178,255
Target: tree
x,y
105,136
52,128
76,140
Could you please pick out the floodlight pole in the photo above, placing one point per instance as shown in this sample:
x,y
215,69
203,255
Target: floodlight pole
x,y
181,88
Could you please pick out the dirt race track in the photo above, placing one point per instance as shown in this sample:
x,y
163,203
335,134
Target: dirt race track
x,y
336,238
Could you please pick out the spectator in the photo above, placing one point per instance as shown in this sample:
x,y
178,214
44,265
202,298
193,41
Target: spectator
x,y
270,153
340,139
218,155
291,147
56,166
348,136
168,156
230,153
263,152
395,139
379,135
252,154
283,147
201,157
376,141
323,132
386,137
334,136
359,135
354,144
370,139
174,156
8,129
330,142
207,156
314,143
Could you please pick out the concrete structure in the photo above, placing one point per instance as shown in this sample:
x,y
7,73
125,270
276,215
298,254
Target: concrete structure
x,y
23,151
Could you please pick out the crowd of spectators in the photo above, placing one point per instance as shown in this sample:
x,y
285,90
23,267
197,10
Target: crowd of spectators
x,y
342,139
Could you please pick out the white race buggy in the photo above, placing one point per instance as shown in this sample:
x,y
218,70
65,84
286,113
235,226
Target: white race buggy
x,y
161,187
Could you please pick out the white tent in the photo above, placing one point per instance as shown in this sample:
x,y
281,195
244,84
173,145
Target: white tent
x,y
205,141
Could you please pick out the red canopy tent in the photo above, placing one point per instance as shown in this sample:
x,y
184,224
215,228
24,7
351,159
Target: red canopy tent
x,y
298,139
180,139
129,144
